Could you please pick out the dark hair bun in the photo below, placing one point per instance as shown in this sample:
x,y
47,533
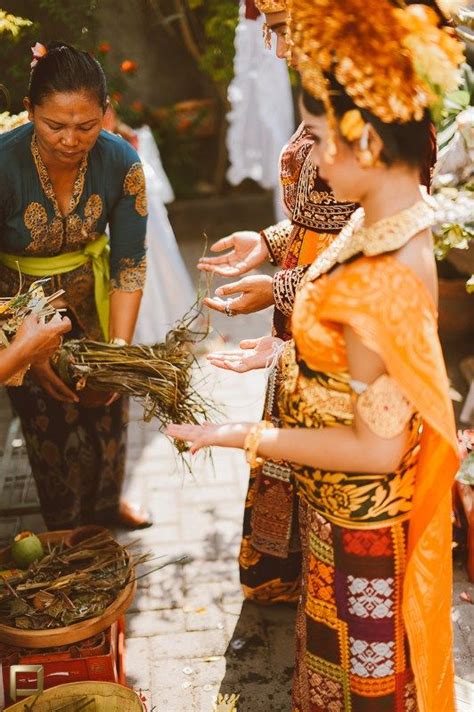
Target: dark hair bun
x,y
66,69
408,143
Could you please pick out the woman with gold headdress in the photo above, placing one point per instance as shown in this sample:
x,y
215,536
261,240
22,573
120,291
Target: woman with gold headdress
x,y
270,554
365,409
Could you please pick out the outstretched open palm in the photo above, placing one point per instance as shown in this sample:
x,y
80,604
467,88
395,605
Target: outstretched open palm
x,y
247,250
252,354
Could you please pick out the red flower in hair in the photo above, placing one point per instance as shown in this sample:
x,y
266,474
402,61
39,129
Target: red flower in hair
x,y
105,47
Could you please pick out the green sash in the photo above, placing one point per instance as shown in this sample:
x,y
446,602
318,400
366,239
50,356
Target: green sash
x,y
97,252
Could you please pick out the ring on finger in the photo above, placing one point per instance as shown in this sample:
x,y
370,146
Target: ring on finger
x,y
228,309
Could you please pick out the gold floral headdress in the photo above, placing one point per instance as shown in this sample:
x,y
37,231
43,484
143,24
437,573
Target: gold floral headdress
x,y
392,61
269,6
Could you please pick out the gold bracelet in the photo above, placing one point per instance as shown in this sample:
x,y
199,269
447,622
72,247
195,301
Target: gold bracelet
x,y
117,341
252,441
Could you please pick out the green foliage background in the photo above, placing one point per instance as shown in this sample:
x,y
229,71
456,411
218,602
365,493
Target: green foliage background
x,y
71,22
205,28
219,19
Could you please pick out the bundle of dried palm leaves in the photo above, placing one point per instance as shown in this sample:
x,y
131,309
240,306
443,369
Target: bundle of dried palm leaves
x,y
70,584
14,310
159,376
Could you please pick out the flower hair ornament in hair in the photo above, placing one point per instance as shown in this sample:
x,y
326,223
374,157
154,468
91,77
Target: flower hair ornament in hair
x,y
39,51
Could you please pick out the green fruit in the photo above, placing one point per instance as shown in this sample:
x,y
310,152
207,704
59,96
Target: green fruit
x,y
25,549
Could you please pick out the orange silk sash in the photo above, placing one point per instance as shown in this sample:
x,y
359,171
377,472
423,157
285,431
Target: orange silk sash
x,y
390,309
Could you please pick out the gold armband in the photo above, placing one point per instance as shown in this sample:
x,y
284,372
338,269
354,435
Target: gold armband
x,y
117,341
383,407
252,441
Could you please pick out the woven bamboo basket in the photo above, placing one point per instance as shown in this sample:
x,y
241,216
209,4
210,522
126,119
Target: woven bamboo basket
x,y
76,631
101,696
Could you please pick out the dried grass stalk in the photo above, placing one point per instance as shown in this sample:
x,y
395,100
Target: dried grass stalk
x,y
13,312
159,376
69,584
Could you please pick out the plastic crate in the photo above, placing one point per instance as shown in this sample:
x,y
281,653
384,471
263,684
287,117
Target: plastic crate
x,y
99,659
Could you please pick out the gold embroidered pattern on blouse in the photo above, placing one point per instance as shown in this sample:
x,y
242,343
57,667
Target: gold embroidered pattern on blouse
x,y
69,229
318,400
48,186
131,275
327,259
43,235
285,285
80,231
93,207
277,238
383,407
385,235
318,209
50,236
291,162
134,184
390,233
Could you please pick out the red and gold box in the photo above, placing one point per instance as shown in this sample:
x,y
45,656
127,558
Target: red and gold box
x,y
99,658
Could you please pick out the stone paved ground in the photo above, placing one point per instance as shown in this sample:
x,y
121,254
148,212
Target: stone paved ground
x,y
189,634
188,621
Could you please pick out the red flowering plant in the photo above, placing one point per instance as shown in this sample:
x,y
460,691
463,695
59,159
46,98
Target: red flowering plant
x,y
118,76
128,66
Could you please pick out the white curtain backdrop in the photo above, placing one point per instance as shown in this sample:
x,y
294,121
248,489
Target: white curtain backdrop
x,y
261,119
169,291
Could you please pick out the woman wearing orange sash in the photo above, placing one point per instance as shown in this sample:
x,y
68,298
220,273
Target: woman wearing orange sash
x,y
366,415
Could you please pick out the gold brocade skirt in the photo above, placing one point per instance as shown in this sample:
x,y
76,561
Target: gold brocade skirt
x,y
352,653
359,500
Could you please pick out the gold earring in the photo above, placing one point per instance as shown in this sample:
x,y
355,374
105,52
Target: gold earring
x,y
267,36
366,159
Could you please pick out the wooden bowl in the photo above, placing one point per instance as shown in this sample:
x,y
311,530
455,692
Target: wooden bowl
x,y
107,696
76,631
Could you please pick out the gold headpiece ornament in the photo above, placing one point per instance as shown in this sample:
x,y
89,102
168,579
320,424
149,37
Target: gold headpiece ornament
x,y
391,61
269,6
